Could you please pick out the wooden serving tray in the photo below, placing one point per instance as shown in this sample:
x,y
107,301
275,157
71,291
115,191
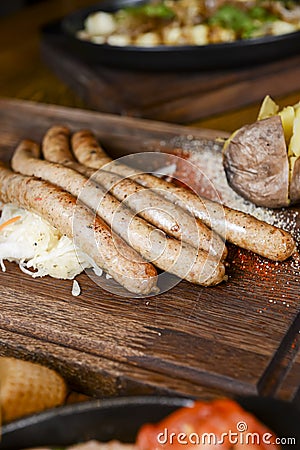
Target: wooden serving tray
x,y
236,338
181,97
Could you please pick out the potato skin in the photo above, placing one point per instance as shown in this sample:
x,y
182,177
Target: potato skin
x,y
295,183
256,163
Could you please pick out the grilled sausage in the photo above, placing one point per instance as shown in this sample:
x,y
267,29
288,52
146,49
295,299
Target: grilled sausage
x,y
145,202
96,239
168,254
56,140
236,227
91,153
161,213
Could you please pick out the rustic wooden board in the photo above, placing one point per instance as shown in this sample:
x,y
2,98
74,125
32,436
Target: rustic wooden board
x,y
174,97
231,339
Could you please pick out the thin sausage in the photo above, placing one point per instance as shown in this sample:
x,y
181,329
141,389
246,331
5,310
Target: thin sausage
x,y
56,140
145,202
162,213
58,207
234,226
91,153
168,254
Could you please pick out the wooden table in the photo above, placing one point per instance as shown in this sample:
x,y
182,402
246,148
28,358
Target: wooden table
x,y
24,76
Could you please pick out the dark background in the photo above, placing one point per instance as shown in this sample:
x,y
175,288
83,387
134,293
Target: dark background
x,y
10,6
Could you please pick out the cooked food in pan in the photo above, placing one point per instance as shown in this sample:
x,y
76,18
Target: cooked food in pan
x,y
220,423
262,161
191,22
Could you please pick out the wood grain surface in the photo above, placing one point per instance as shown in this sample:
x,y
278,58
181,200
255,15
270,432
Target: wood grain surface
x,y
25,76
182,97
233,338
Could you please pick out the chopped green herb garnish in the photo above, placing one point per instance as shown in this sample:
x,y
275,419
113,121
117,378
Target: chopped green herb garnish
x,y
231,17
261,14
159,11
244,23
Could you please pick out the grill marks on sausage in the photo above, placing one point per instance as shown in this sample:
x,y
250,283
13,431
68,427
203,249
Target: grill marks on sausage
x,y
168,254
67,193
161,213
234,226
95,237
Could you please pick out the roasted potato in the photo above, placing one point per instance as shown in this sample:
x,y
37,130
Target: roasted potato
x,y
262,160
27,388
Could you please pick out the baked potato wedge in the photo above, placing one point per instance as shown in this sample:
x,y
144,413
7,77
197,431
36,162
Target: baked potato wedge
x,y
262,160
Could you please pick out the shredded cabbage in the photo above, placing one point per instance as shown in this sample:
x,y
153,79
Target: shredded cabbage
x,y
75,288
38,248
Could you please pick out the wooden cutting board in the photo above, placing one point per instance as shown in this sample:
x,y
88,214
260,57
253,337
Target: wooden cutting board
x,y
181,97
240,337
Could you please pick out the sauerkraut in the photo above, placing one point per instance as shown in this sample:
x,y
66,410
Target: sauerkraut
x,y
38,248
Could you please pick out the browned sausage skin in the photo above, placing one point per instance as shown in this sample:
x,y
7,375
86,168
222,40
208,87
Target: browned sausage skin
x,y
93,155
96,239
240,229
168,254
145,202
56,140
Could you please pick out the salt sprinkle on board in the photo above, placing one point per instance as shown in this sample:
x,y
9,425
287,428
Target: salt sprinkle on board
x,y
209,179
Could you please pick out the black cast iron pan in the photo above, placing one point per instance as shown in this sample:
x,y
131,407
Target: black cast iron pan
x,y
180,58
120,418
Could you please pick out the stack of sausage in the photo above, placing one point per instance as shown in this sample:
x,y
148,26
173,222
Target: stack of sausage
x,y
128,222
